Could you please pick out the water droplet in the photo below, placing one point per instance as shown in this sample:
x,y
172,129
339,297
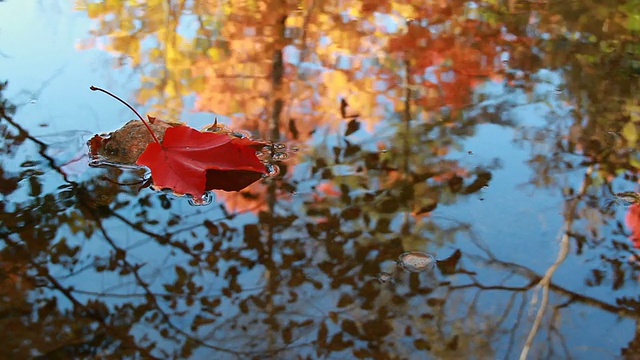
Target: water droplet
x,y
384,277
240,134
416,261
95,162
272,170
558,90
33,101
279,146
29,163
279,156
205,200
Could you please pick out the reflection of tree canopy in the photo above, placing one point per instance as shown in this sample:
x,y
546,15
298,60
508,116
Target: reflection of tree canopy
x,y
239,59
590,129
591,116
175,281
94,269
594,53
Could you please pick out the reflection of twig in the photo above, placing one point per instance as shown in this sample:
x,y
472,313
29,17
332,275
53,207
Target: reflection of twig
x,y
87,311
35,94
490,287
144,294
133,269
42,149
545,282
554,330
470,234
516,325
574,296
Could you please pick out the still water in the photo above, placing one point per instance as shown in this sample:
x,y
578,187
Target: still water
x,y
444,186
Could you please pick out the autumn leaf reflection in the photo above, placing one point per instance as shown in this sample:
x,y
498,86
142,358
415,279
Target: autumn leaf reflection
x,y
239,59
632,220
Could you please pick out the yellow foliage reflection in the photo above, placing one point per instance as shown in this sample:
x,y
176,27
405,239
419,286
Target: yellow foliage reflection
x,y
237,57
280,69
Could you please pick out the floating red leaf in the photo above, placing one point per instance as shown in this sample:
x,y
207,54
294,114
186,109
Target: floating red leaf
x,y
192,162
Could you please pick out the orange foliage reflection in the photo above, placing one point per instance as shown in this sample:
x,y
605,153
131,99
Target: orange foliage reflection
x,y
280,68
632,220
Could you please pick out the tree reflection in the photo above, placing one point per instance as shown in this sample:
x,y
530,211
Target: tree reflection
x,y
590,127
91,268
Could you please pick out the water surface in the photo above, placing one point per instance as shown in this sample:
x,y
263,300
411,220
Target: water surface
x,y
492,137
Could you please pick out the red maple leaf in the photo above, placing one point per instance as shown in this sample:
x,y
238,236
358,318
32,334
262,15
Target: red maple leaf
x,y
188,161
191,162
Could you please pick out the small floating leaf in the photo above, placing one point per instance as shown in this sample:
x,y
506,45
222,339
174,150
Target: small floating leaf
x,y
416,261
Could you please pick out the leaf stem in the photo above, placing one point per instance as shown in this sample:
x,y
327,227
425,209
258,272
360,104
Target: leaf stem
x,y
95,88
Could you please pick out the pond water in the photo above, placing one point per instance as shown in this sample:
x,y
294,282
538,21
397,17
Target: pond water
x,y
445,188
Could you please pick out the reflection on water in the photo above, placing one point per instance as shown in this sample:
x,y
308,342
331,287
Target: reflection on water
x,y
397,129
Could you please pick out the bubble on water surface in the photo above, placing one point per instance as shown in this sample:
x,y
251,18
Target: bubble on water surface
x,y
416,261
279,156
272,170
204,200
241,134
29,163
274,152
